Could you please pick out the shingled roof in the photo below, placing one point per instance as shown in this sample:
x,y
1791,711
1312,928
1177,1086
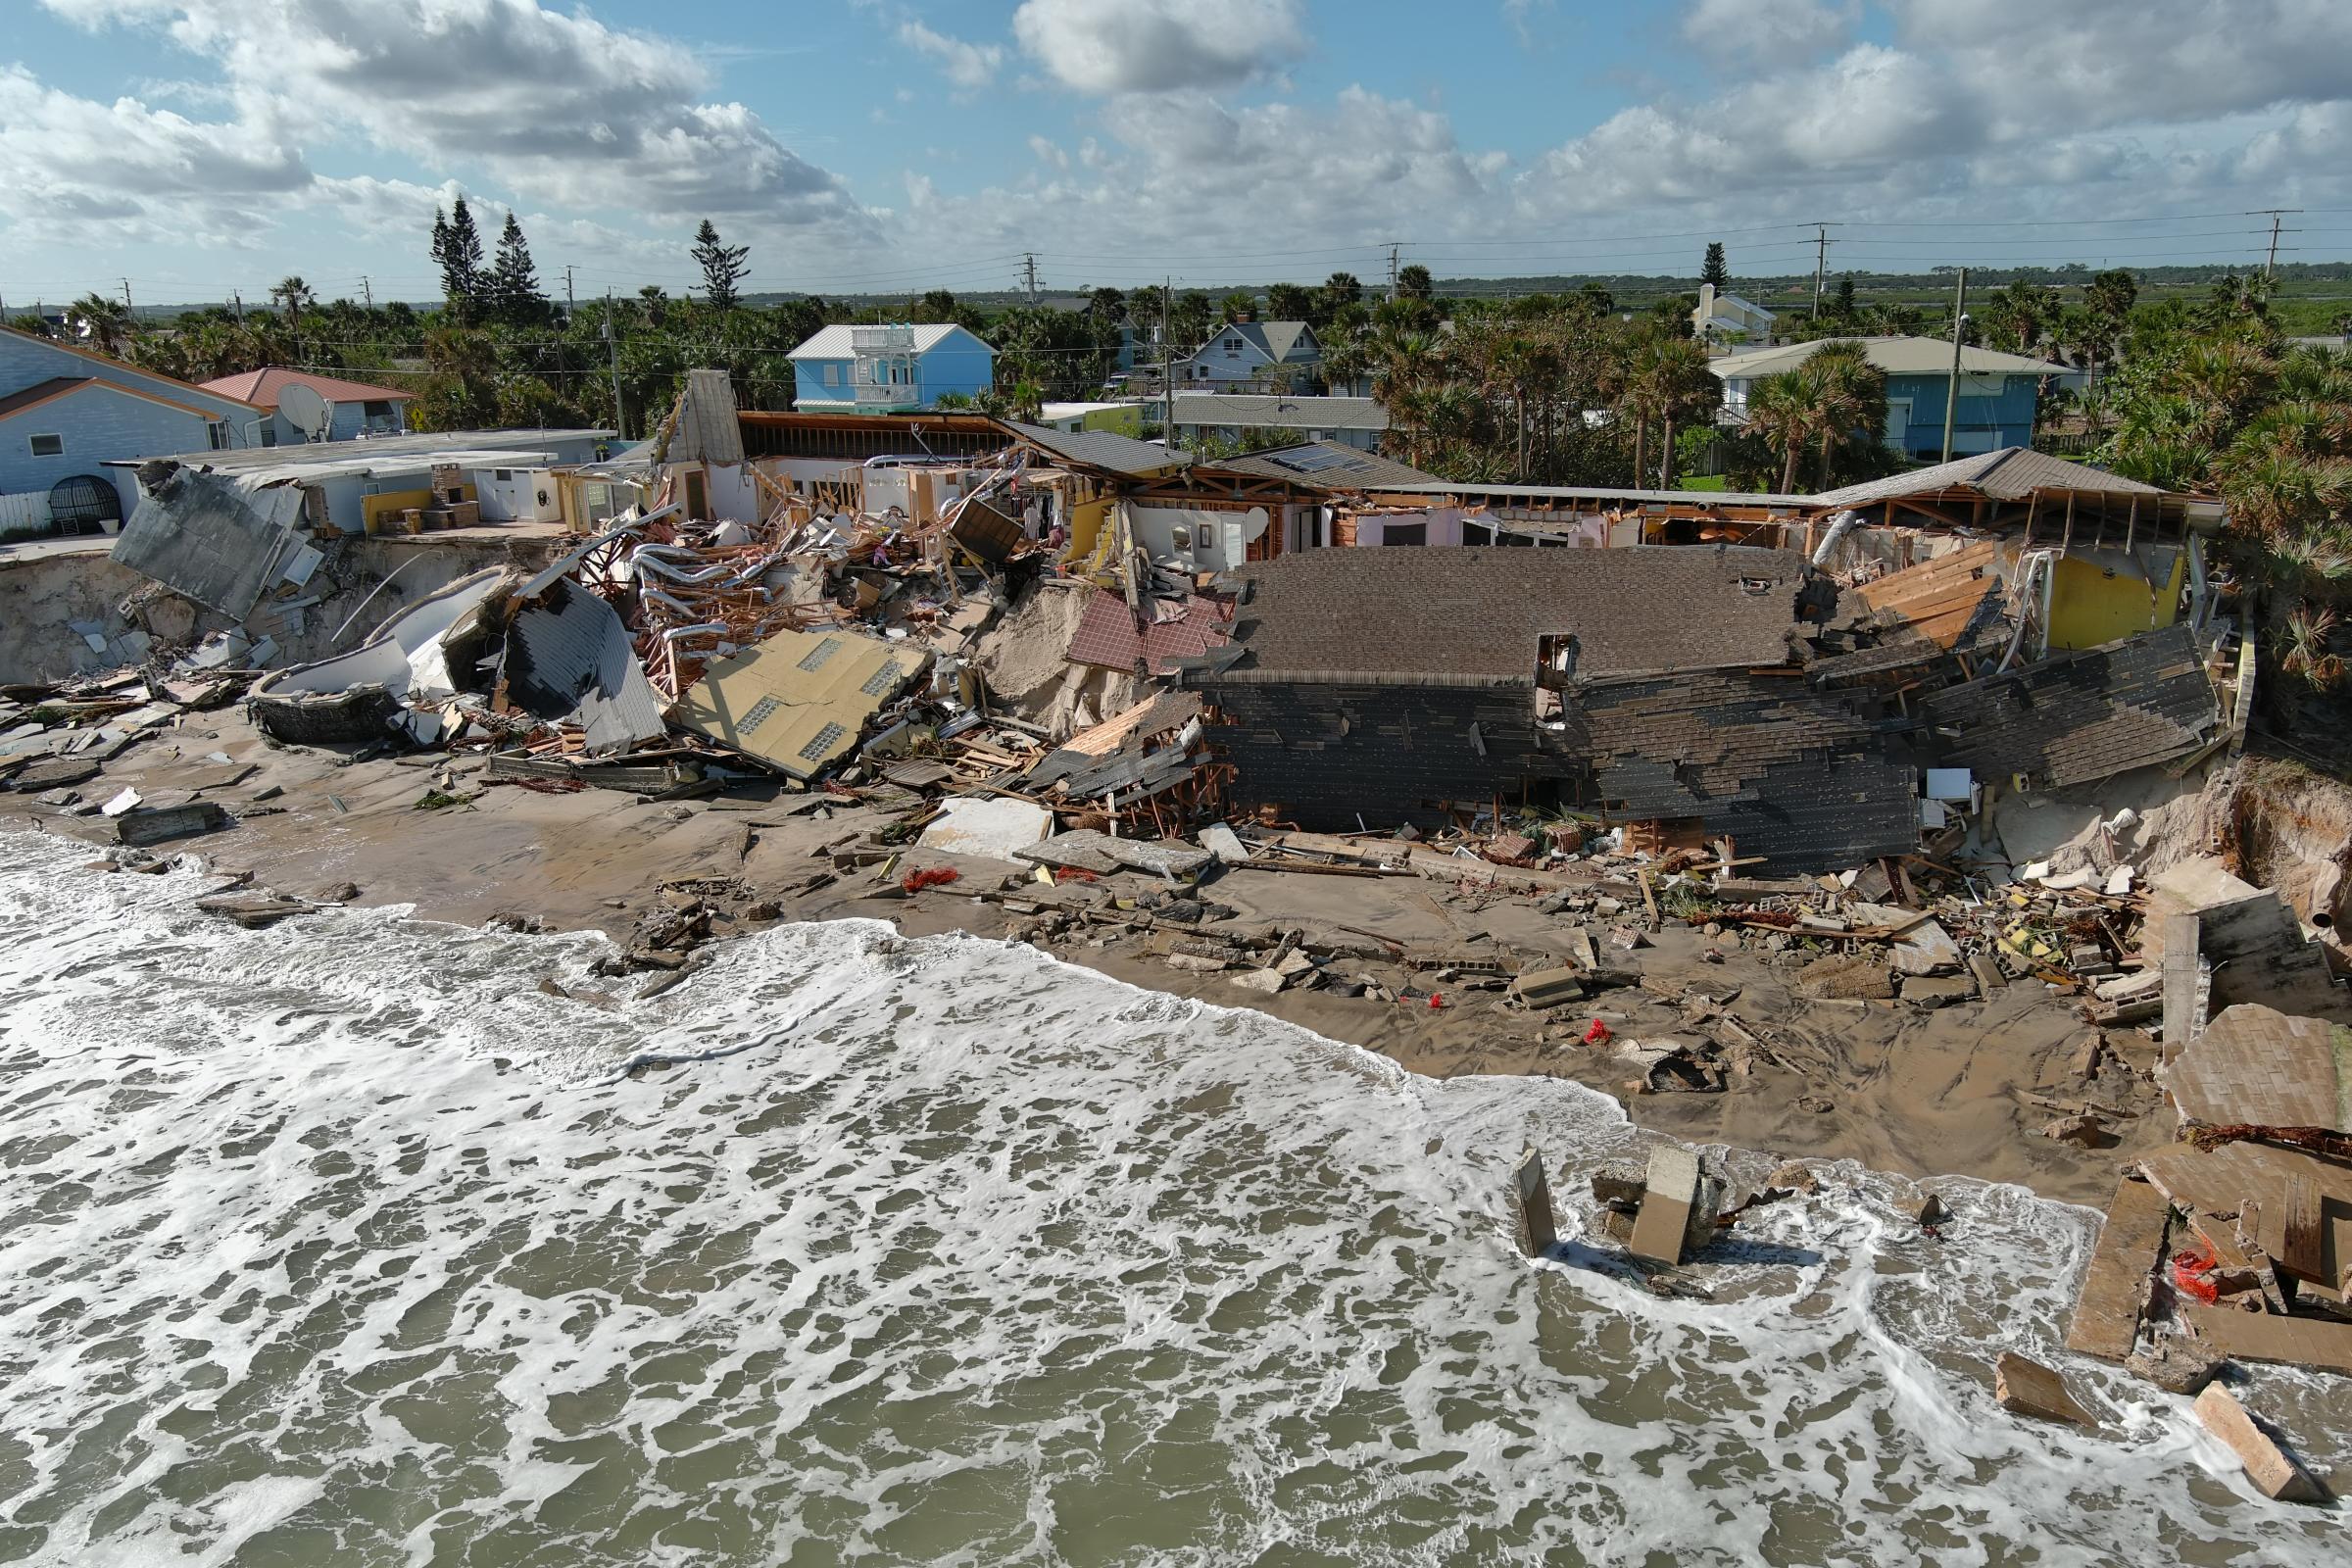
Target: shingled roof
x,y
1473,616
2080,716
1793,775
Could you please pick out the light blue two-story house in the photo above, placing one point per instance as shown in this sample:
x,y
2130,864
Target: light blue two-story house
x,y
64,412
889,369
1999,392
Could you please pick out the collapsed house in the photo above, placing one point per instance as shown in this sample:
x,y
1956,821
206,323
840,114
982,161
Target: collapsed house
x,y
1658,686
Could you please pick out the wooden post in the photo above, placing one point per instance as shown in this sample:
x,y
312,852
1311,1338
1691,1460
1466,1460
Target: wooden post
x,y
1539,1227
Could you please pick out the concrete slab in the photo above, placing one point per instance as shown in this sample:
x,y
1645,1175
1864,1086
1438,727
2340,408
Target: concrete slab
x,y
2272,1470
1666,1203
992,829
2026,1387
2106,1321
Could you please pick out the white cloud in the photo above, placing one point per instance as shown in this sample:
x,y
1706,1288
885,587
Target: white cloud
x,y
969,66
91,173
1768,32
558,108
1114,46
1520,15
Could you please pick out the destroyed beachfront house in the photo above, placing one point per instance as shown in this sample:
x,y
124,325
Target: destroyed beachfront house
x,y
1663,688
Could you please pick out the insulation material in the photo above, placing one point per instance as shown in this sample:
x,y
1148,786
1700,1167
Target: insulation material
x,y
799,700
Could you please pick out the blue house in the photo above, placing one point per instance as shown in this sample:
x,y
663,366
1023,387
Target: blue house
x,y
64,412
889,369
1999,393
349,409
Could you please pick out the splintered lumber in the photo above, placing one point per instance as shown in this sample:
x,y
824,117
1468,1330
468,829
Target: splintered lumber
x,y
2106,1321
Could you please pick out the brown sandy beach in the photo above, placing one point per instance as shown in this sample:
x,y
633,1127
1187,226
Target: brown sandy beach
x,y
1962,1089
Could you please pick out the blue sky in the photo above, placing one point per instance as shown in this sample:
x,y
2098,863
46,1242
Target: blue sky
x,y
196,146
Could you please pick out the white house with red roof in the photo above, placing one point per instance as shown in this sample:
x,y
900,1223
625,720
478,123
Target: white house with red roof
x,y
352,409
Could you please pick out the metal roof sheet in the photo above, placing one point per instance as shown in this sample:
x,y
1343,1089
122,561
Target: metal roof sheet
x,y
1897,356
1247,408
1322,466
2010,473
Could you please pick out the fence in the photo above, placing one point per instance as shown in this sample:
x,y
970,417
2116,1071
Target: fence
x,y
24,514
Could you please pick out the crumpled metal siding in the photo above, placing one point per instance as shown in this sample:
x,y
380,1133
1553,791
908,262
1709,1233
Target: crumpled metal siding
x,y
571,656
209,539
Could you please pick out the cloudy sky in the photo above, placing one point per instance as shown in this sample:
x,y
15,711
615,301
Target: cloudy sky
x,y
893,145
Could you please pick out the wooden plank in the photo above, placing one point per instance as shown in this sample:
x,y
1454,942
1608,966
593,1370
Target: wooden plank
x,y
2303,1251
2107,1307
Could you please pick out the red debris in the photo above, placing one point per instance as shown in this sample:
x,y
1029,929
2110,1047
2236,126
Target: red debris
x,y
935,877
1435,1002
1074,873
2192,1276
1597,1034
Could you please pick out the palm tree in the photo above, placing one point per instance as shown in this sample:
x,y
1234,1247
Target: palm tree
x,y
1850,395
1685,389
1784,410
104,323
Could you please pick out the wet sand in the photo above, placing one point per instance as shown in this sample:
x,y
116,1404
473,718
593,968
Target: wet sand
x,y
1961,1091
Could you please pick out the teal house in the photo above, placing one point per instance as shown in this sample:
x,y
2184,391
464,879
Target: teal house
x,y
1999,392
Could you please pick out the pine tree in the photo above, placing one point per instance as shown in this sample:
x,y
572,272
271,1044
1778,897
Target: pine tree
x,y
514,285
1845,298
1714,269
722,265
457,252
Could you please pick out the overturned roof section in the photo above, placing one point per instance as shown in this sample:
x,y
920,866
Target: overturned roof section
x,y
1323,466
1108,635
2079,717
209,539
569,657
1473,616
1912,617
799,700
2011,473
710,429
1107,450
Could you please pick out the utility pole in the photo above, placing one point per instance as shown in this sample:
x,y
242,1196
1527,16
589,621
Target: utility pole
x,y
1167,379
128,307
571,306
1951,395
1393,249
236,298
620,419
367,293
1820,258
2276,214
1029,274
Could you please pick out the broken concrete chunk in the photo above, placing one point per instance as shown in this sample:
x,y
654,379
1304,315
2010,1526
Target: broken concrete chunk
x,y
1843,978
2176,1365
1668,1197
1538,1225
169,822
2083,1131
1223,842
1540,989
2275,1472
2136,987
1795,1176
1937,991
1925,949
1196,963
1267,980
2028,1388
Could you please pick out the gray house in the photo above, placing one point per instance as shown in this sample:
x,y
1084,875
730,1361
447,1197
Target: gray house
x,y
1251,353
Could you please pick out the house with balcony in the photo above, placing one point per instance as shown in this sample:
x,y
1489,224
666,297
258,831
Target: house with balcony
x,y
1728,318
1997,393
327,407
889,369
1254,354
67,413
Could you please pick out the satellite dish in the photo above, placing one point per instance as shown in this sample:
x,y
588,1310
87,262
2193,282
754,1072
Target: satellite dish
x,y
305,409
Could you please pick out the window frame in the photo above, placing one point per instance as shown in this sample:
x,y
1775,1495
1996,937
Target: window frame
x,y
32,444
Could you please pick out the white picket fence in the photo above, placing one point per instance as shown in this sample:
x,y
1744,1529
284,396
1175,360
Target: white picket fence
x,y
28,509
